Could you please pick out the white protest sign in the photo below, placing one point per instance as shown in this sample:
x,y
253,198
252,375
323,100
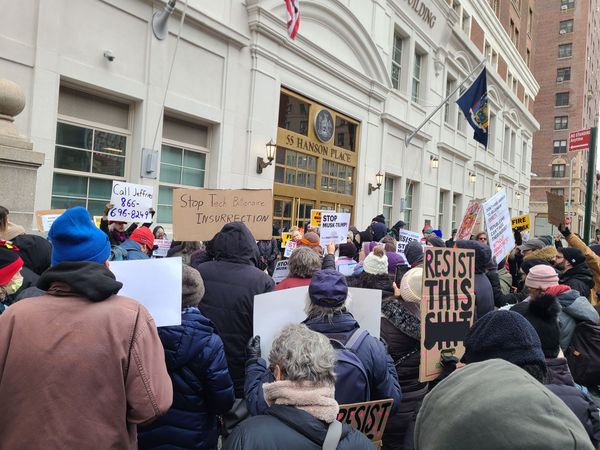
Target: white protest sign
x,y
499,225
281,271
404,238
290,246
46,218
132,202
163,247
334,227
155,283
274,310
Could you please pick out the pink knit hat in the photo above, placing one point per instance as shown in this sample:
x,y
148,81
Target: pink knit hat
x,y
541,277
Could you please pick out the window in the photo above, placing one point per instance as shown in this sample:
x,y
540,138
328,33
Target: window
x,y
506,144
388,200
460,121
558,170
567,4
561,122
563,74
293,114
566,26
397,60
559,146
441,209
516,40
296,169
416,80
336,177
345,133
408,204
513,145
448,107
491,132
565,50
91,148
524,154
455,200
558,191
528,57
562,99
530,21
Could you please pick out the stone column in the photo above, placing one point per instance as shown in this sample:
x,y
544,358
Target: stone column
x,y
18,161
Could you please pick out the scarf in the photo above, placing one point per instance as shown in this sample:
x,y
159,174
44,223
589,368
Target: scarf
x,y
318,401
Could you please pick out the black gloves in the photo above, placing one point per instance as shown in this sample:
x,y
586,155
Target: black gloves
x,y
564,230
253,348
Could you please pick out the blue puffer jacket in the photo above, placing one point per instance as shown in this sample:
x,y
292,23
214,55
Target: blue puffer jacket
x,y
372,353
202,387
575,309
134,250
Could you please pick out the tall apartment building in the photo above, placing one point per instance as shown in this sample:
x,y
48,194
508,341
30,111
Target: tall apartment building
x,y
566,64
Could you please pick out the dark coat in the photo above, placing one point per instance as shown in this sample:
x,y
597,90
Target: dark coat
x,y
401,330
268,252
35,251
231,282
372,353
501,299
579,278
369,281
30,280
574,309
542,314
290,428
202,387
484,295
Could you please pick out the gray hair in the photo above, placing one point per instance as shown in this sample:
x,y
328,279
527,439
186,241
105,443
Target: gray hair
x,y
319,312
303,355
304,262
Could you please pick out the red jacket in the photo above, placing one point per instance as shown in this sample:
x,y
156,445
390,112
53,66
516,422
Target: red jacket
x,y
292,282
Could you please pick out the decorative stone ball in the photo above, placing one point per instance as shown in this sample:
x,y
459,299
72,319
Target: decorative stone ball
x,y
12,98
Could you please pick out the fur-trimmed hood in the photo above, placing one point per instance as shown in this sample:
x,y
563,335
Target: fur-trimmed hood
x,y
547,253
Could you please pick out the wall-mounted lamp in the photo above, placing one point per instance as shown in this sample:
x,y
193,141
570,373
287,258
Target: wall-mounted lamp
x,y
160,20
260,163
472,177
434,161
498,187
518,195
379,180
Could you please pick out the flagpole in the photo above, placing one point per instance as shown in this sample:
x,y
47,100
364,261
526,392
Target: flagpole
x,y
408,138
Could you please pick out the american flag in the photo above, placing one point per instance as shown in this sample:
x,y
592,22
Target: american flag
x,y
293,12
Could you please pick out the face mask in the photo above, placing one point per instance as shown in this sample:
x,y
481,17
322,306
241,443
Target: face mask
x,y
14,285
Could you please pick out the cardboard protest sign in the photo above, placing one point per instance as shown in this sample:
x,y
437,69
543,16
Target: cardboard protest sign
x,y
45,218
163,247
199,214
334,227
448,306
158,288
274,310
315,218
404,238
556,208
468,222
281,271
290,246
285,237
499,225
369,418
132,202
521,223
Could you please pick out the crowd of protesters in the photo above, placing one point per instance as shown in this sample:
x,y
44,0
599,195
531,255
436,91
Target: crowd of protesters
x,y
84,367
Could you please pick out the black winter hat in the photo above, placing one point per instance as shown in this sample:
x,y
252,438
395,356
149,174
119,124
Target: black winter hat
x,y
483,253
573,255
414,253
542,314
505,335
380,218
348,250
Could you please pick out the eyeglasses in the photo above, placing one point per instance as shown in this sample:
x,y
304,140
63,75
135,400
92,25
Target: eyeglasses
x,y
482,239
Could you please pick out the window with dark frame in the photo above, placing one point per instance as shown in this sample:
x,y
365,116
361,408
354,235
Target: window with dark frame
x,y
561,99
563,74
559,146
565,50
558,170
561,122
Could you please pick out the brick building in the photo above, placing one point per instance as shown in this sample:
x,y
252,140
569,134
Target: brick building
x,y
566,64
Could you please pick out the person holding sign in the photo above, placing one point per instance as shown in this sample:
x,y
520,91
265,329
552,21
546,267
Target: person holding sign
x,y
138,246
302,410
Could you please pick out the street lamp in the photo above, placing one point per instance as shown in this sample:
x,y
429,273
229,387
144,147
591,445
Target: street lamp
x,y
472,177
260,163
379,180
518,195
498,187
434,161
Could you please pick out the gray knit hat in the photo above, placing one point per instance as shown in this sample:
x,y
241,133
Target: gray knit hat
x,y
192,287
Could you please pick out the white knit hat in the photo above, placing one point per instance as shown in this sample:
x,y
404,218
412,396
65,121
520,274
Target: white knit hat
x,y
376,263
411,286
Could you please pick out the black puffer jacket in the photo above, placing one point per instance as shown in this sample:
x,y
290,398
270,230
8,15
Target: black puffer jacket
x,y
484,295
401,330
369,281
579,278
231,282
289,428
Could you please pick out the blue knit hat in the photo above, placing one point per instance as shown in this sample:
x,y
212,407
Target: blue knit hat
x,y
75,238
328,288
504,335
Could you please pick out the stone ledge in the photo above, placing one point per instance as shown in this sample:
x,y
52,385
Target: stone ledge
x,y
17,157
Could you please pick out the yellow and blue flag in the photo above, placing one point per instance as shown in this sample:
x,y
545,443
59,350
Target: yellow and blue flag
x,y
474,105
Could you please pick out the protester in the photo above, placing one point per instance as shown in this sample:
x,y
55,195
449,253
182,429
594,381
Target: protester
x,y
521,413
531,245
482,237
395,230
378,227
159,232
507,335
187,250
81,365
139,246
484,295
501,282
427,231
11,277
547,253
450,242
301,399
401,330
231,281
327,313
577,275
295,234
375,273
198,369
312,240
435,241
438,233
268,251
414,254
302,264
346,262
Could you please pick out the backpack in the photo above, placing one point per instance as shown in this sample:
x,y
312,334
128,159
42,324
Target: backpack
x,y
583,354
352,382
118,254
